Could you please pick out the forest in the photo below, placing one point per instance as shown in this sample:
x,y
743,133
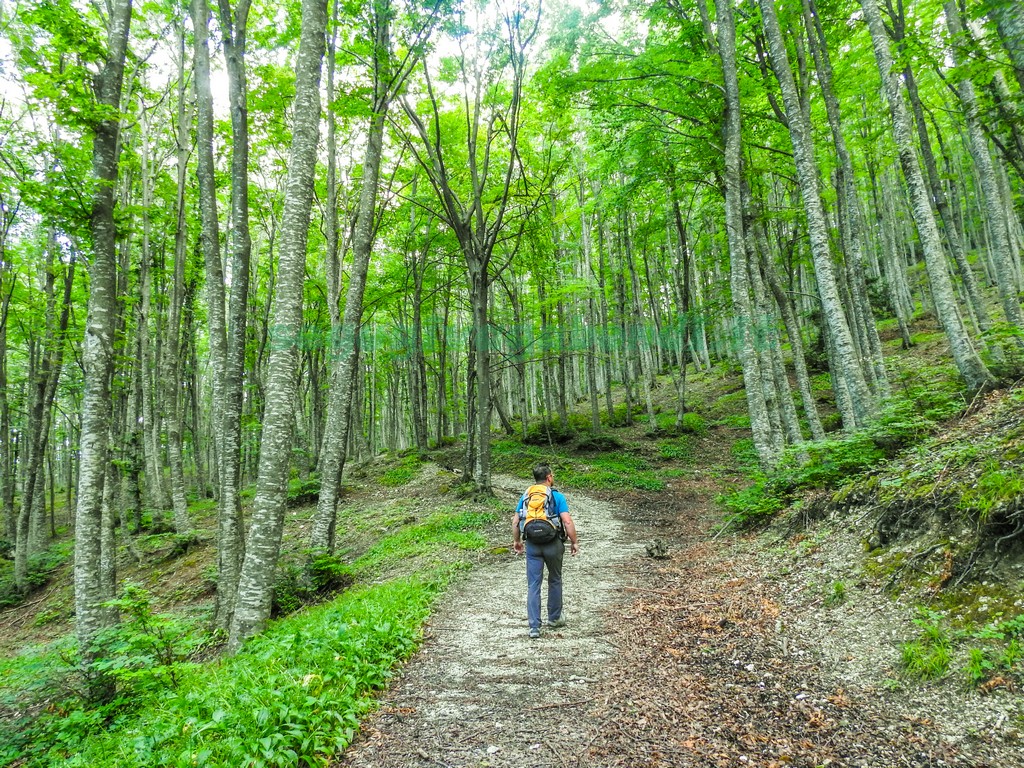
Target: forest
x,y
245,247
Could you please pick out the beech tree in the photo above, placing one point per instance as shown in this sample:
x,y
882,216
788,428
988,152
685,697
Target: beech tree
x,y
263,542
91,590
969,363
475,207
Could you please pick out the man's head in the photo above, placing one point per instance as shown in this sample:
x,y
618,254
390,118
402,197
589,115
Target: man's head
x,y
541,473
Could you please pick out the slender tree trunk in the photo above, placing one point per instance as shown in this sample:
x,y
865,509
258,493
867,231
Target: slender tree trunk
x,y
479,295
7,479
605,330
682,281
149,357
230,547
29,535
848,209
846,364
796,346
344,351
994,211
950,223
7,471
733,180
264,542
639,330
173,367
974,372
98,352
1009,19
234,27
419,362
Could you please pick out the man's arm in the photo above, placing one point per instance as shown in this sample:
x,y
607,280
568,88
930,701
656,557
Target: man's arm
x,y
570,531
517,540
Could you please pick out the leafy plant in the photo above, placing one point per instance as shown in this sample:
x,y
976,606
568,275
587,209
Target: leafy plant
x,y
751,506
292,696
979,667
928,657
1004,344
321,574
693,423
836,594
144,650
303,491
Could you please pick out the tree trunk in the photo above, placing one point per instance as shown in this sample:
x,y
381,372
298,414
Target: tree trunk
x,y
172,366
98,353
974,372
344,348
149,359
994,211
230,548
848,208
419,362
29,536
1009,21
733,180
950,223
234,27
845,363
255,587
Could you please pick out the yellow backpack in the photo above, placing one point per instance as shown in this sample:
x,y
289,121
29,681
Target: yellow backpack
x,y
538,520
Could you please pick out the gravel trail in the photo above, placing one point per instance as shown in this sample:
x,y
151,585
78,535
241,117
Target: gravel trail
x,y
480,692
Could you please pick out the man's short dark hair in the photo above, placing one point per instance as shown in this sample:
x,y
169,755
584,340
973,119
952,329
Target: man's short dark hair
x,y
541,472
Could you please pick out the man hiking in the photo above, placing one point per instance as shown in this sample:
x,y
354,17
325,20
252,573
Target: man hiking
x,y
540,526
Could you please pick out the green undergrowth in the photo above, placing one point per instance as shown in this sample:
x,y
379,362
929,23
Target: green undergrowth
x,y
41,568
599,470
308,580
293,696
436,537
967,479
401,471
921,402
982,655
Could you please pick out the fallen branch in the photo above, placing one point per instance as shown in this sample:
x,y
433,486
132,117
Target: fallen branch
x,y
561,704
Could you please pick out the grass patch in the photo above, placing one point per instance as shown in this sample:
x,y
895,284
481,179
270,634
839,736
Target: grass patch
x,y
512,457
607,470
929,656
987,655
401,473
676,449
611,471
445,529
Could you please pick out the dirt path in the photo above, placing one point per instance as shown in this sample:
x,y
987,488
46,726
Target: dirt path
x,y
687,661
480,692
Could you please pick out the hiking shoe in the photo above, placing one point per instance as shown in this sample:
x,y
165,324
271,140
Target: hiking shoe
x,y
534,633
556,624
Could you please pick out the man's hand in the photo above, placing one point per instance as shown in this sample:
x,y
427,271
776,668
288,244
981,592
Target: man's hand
x,y
518,547
574,548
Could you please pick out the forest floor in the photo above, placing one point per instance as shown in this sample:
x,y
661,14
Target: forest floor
x,y
723,653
